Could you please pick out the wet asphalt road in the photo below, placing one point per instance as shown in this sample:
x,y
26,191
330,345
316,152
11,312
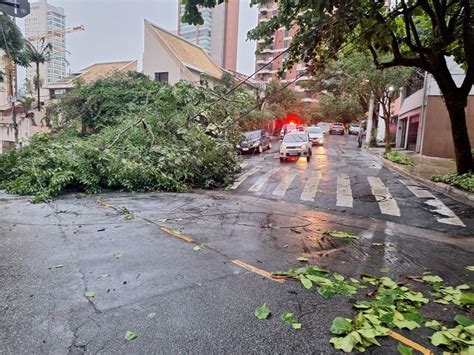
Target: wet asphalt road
x,y
180,300
343,178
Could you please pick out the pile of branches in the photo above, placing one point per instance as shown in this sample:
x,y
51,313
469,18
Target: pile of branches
x,y
129,133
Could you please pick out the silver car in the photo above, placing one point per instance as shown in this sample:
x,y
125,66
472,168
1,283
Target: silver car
x,y
316,135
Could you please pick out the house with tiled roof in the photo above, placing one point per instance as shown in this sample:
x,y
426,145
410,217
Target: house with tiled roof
x,y
90,74
170,58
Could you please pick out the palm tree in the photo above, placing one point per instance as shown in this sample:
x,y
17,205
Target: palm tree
x,y
39,55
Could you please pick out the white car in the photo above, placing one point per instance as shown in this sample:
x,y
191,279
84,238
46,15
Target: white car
x,y
290,127
354,129
294,145
316,135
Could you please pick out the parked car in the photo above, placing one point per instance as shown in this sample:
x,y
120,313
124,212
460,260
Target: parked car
x,y
324,126
295,144
316,135
354,129
336,128
290,127
255,141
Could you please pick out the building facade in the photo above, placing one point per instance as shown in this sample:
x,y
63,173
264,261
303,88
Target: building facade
x,y
218,35
423,123
48,19
270,59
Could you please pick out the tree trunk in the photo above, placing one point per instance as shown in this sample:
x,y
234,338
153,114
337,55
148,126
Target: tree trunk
x,y
38,87
388,136
462,145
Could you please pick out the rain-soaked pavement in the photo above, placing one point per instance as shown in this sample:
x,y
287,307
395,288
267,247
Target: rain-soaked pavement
x,y
179,300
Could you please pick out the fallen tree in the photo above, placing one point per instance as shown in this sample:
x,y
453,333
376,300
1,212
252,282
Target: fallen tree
x,y
129,133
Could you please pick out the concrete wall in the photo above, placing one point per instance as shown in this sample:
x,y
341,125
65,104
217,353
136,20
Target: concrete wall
x,y
437,140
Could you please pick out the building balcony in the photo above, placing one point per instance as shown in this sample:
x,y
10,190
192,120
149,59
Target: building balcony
x,y
267,50
264,61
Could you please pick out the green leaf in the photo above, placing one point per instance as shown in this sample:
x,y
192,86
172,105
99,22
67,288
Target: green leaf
x,y
439,338
89,294
262,312
306,282
467,298
198,248
470,268
302,259
338,277
341,325
463,320
431,279
341,234
388,282
346,343
433,325
404,350
296,325
129,335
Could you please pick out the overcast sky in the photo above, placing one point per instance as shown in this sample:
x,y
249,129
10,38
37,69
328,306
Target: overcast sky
x,y
114,29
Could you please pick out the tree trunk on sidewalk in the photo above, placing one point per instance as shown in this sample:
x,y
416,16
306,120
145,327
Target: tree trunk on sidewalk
x,y
388,136
462,145
38,86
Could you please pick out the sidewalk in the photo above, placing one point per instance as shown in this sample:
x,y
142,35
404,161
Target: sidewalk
x,y
423,169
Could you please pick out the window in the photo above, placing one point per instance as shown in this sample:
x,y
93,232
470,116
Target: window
x,y
163,76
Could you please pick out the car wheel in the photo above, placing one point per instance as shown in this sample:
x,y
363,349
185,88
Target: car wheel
x,y
281,160
308,158
260,149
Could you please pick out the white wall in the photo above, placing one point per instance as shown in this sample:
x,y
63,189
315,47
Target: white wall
x,y
156,58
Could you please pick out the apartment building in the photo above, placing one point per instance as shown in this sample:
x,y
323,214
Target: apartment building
x,y
45,18
218,35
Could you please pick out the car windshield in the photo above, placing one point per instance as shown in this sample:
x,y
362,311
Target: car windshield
x,y
355,126
252,135
314,130
295,138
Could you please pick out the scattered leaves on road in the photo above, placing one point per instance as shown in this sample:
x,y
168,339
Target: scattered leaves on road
x,y
129,335
289,318
90,294
341,235
302,259
470,268
118,255
262,312
198,247
459,339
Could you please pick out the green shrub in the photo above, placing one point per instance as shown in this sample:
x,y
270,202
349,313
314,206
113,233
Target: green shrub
x,y
129,133
398,158
464,182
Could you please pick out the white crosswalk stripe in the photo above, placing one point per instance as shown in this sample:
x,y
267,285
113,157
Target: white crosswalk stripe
x,y
440,208
280,190
243,177
344,191
262,180
311,187
387,203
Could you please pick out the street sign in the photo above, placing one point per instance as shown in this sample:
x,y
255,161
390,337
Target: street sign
x,y
15,8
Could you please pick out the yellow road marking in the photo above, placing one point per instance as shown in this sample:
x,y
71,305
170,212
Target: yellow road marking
x,y
177,234
410,343
261,272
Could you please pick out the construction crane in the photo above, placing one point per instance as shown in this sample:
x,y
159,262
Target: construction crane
x,y
55,34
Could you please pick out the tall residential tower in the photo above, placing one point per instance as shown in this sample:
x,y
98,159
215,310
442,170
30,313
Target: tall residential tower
x,y
218,35
46,19
270,62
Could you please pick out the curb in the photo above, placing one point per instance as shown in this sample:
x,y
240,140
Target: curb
x,y
448,190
